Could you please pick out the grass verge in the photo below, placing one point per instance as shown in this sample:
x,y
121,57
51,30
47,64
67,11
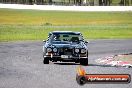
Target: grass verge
x,y
35,25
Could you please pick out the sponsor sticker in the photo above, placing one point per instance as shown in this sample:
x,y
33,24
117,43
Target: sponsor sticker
x,y
82,78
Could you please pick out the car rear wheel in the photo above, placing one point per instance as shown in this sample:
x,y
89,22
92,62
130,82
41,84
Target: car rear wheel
x,y
46,61
84,61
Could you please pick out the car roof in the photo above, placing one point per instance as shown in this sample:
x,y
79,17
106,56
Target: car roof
x,y
71,32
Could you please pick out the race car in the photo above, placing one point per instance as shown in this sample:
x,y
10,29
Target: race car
x,y
65,46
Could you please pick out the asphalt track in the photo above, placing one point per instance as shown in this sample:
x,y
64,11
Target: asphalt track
x,y
21,65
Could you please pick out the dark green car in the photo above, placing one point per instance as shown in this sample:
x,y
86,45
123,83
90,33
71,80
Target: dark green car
x,y
65,46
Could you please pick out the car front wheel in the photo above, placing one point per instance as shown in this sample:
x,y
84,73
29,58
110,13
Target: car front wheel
x,y
46,61
84,61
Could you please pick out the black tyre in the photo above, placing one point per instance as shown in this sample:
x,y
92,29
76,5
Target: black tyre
x,y
46,61
84,61
77,61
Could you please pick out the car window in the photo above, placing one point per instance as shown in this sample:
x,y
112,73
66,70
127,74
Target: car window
x,y
67,37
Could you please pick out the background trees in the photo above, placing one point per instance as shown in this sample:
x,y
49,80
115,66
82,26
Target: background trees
x,y
72,2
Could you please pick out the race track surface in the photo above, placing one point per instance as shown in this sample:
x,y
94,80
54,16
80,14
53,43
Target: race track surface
x,y
21,65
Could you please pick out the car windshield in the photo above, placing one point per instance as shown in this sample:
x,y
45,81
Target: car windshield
x,y
66,37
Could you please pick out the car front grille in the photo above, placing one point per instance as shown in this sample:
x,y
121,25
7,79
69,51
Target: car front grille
x,y
65,51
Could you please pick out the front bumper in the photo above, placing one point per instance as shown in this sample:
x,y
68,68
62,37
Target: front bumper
x,y
65,57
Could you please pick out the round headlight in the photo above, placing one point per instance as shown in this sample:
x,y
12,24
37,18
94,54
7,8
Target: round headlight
x,y
83,50
77,50
54,49
49,49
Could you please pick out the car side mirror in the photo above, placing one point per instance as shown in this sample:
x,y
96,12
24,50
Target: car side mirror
x,y
86,42
44,40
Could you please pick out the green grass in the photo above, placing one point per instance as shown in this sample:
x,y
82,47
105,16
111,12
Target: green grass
x,y
35,25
